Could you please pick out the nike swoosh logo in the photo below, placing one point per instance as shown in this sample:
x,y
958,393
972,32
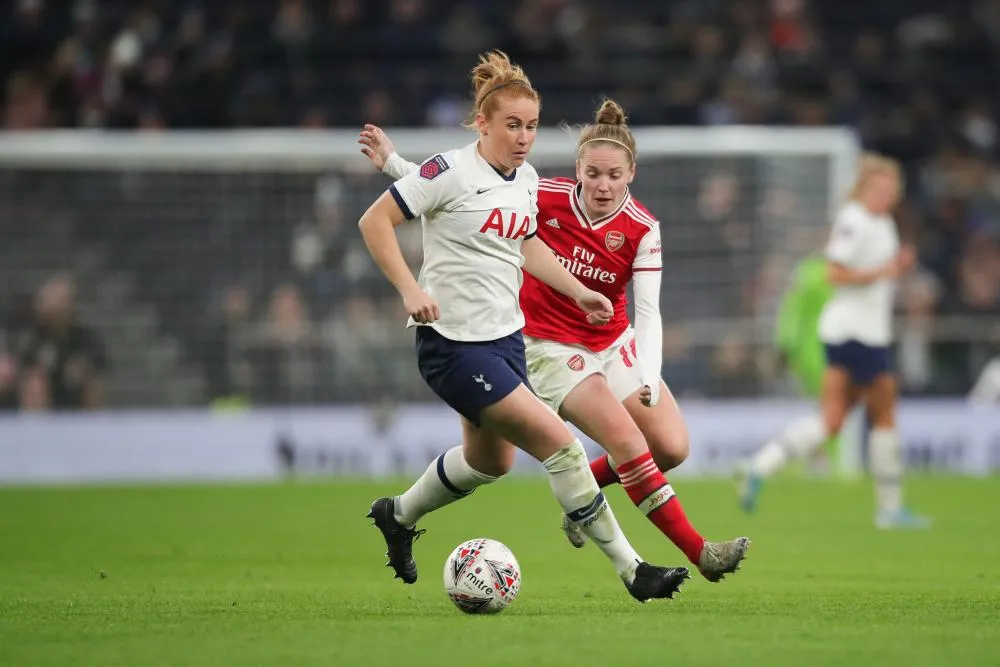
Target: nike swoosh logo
x,y
482,190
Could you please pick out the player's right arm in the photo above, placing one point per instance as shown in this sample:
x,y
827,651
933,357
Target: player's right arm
x,y
422,191
378,228
845,246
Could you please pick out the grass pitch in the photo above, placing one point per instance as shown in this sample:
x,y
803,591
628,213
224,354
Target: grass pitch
x,y
292,574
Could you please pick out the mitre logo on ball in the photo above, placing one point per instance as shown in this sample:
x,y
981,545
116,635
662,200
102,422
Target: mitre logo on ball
x,y
614,240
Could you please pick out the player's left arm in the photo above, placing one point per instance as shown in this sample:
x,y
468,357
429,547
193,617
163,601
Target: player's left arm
x,y
378,148
646,282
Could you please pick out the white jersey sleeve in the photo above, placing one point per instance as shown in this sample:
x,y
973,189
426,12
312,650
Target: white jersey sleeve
x,y
396,166
649,254
846,238
431,186
648,329
533,188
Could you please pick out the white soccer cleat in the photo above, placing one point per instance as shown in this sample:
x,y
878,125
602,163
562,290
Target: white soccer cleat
x,y
721,558
574,534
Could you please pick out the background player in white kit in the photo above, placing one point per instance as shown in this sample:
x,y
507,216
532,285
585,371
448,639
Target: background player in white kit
x,y
605,380
865,259
477,208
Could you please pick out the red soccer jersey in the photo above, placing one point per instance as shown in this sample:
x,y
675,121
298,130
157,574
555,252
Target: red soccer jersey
x,y
602,254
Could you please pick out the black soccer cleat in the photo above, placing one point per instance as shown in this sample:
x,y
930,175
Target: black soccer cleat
x,y
654,582
398,539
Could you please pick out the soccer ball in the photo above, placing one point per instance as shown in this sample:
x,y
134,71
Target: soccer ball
x,y
481,576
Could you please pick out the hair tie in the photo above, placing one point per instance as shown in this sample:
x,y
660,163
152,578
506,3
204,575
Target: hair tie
x,y
515,82
614,141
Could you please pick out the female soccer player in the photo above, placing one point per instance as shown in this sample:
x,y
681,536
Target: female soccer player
x,y
864,259
605,379
477,206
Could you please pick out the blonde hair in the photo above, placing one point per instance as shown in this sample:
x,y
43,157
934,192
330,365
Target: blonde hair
x,y
494,77
610,126
875,164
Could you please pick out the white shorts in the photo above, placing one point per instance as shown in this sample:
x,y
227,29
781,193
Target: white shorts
x,y
554,369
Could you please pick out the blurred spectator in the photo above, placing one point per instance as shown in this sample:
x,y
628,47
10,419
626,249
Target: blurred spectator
x,y
15,332
371,348
682,369
290,364
225,348
919,85
733,368
62,361
919,295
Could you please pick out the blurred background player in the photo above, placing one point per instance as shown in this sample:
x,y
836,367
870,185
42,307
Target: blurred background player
x,y
477,208
605,379
796,333
864,260
986,391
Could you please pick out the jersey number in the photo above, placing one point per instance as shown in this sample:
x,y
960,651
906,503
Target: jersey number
x,y
624,350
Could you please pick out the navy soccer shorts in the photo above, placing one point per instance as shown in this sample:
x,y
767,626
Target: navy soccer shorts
x,y
471,376
863,362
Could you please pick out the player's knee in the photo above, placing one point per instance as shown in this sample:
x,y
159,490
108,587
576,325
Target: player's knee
x,y
672,450
624,443
884,417
489,460
501,467
494,466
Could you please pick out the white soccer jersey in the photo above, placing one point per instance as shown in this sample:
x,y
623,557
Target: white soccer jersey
x,y
474,221
863,313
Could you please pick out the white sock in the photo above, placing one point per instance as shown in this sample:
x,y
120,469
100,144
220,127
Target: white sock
x,y
448,478
885,461
800,438
582,501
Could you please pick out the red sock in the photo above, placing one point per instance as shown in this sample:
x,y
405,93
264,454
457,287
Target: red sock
x,y
603,472
650,491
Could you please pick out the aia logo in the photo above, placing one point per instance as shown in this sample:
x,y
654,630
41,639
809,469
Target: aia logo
x,y
614,240
575,362
507,229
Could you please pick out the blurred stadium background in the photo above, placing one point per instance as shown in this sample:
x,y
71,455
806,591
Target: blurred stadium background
x,y
201,267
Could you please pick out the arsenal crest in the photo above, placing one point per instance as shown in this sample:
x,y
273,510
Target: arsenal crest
x,y
575,362
614,240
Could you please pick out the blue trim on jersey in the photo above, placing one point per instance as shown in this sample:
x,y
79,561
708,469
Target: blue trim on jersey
x,y
510,178
399,201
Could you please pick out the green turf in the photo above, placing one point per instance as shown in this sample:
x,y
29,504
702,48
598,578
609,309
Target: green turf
x,y
292,575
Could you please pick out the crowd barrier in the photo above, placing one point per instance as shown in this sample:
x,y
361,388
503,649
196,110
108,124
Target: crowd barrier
x,y
937,435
